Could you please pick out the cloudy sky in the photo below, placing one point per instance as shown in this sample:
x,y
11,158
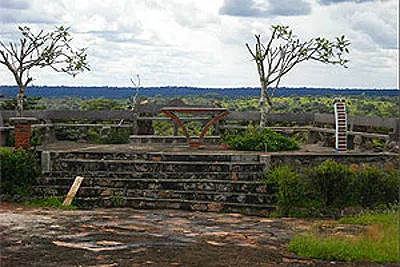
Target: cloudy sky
x,y
202,42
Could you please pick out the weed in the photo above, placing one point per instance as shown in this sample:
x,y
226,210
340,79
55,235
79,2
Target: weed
x,y
50,202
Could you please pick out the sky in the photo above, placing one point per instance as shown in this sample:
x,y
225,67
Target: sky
x,y
202,42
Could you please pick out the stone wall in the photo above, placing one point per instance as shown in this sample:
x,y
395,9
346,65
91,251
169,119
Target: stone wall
x,y
230,182
384,161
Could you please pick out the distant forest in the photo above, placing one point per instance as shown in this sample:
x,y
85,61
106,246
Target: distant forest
x,y
171,91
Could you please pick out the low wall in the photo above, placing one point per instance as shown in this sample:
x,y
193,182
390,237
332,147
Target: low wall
x,y
384,161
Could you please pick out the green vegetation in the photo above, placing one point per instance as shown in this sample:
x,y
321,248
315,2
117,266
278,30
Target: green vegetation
x,y
375,187
332,184
50,202
374,106
287,185
331,187
379,241
117,199
266,140
19,169
115,136
356,105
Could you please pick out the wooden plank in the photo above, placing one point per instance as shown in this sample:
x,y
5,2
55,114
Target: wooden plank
x,y
73,190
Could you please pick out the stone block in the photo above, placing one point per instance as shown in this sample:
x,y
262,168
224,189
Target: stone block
x,y
216,207
173,205
199,207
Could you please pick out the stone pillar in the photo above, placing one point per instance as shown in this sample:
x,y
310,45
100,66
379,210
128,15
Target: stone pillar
x,y
23,131
266,160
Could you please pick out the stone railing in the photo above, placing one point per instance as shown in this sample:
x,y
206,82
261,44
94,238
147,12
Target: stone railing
x,y
361,130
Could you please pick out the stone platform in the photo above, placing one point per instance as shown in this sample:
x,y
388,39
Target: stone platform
x,y
177,176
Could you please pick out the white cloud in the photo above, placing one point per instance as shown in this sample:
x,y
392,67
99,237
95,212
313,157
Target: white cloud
x,y
265,8
171,42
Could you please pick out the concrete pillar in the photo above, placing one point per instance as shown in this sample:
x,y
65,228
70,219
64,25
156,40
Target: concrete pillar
x,y
266,160
46,161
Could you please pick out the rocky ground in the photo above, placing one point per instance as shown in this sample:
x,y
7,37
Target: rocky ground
x,y
128,237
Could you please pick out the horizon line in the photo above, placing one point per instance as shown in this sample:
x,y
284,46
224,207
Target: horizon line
x,y
198,87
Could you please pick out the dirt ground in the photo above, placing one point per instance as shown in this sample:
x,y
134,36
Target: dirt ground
x,y
129,237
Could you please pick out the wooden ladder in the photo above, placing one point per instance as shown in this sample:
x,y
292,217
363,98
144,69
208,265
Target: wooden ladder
x,y
341,125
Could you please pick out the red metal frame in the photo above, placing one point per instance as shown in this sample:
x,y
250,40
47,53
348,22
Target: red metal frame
x,y
170,111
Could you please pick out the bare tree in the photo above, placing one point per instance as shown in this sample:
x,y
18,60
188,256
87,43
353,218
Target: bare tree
x,y
51,49
134,103
282,52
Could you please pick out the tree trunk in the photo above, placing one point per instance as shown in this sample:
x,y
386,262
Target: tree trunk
x,y
20,101
263,110
135,116
264,89
263,97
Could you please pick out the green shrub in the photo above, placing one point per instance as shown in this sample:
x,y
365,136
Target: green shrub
x,y
288,188
331,184
266,140
331,187
19,169
93,135
375,187
68,133
10,141
116,136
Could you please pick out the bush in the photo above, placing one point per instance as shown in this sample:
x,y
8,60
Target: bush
x,y
376,187
288,188
331,187
68,133
19,169
266,140
331,184
116,136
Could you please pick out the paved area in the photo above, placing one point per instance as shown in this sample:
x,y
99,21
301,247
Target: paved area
x,y
128,237
178,148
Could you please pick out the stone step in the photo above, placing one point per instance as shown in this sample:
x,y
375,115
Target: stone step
x,y
194,195
158,156
192,205
223,176
84,165
159,184
155,139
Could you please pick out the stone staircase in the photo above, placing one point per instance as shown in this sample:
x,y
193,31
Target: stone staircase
x,y
203,181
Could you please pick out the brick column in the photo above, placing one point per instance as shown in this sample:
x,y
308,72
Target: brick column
x,y
22,131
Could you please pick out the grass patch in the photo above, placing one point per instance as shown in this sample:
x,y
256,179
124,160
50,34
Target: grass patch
x,y
378,243
50,202
368,219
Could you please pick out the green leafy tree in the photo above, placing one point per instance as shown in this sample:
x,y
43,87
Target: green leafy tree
x,y
50,49
282,52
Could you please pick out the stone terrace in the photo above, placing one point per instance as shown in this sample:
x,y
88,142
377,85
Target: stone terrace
x,y
176,176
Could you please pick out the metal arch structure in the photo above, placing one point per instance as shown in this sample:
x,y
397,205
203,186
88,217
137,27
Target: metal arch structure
x,y
173,111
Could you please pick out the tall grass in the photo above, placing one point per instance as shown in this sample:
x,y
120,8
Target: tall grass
x,y
379,242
